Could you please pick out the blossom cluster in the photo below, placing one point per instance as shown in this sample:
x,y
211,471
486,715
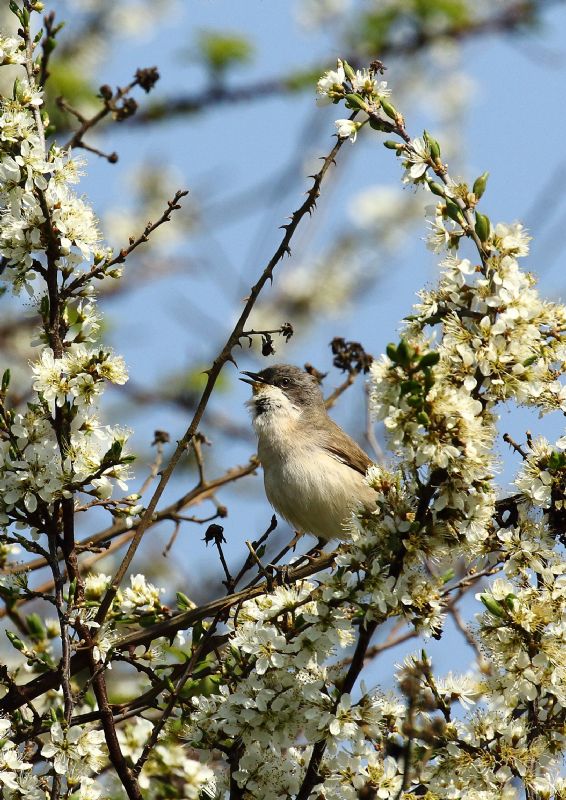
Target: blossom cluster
x,y
280,644
54,449
47,234
361,90
480,338
274,706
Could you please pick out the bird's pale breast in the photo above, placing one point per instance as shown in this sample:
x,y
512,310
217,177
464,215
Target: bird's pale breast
x,y
311,489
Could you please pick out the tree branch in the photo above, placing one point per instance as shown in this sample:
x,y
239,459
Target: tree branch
x,y
225,355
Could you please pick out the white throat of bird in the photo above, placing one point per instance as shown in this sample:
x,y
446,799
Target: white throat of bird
x,y
273,413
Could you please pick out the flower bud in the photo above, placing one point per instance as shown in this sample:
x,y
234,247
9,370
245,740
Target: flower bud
x,y
35,626
480,184
404,354
492,605
391,351
390,110
437,189
482,227
15,641
72,591
433,144
349,72
429,359
356,101
183,602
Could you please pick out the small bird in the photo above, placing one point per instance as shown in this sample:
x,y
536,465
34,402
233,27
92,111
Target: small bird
x,y
313,471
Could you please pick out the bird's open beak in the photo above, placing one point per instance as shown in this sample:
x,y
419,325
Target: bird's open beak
x,y
252,378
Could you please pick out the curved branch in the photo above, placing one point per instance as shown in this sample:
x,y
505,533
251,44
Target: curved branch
x,y
19,695
511,19
225,355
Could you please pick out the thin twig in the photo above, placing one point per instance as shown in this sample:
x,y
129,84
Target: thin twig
x,y
408,749
454,612
249,562
312,774
110,105
512,18
47,46
155,467
516,447
98,270
222,358
196,495
334,395
169,708
20,694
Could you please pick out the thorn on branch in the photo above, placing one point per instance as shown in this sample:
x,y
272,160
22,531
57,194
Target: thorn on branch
x,y
102,269
112,157
516,447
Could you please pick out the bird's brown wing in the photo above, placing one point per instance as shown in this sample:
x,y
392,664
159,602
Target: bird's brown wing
x,y
345,449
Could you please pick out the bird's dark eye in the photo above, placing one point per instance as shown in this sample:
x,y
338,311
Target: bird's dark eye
x,y
284,383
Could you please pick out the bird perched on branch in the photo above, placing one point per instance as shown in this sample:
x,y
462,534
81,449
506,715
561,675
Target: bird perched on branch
x,y
313,471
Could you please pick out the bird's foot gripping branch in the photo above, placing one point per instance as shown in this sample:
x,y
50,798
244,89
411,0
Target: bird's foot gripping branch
x,y
259,695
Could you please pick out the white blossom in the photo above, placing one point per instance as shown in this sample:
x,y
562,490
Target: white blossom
x,y
347,128
330,86
75,748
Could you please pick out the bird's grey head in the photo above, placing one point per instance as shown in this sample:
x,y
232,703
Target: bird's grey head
x,y
284,384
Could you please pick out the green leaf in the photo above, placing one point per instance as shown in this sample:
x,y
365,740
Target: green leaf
x,y
433,144
222,50
35,627
414,387
429,359
356,101
349,72
453,211
428,379
389,109
183,602
391,351
404,353
15,9
5,381
510,601
437,189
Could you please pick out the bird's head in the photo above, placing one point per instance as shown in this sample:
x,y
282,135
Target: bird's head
x,y
283,387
